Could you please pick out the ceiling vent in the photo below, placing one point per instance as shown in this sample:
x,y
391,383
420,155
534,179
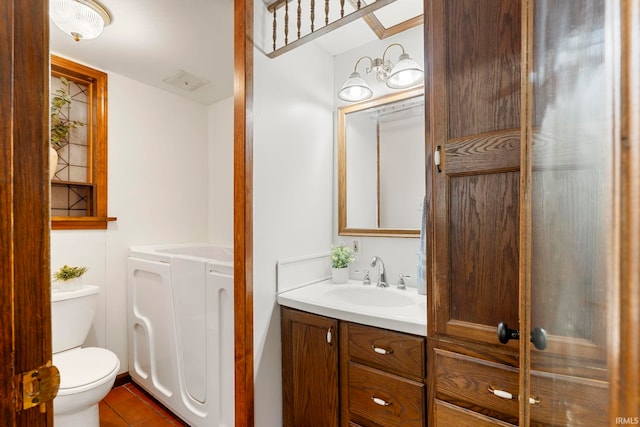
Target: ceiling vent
x,y
185,81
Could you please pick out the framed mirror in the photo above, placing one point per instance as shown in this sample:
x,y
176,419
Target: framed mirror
x,y
381,166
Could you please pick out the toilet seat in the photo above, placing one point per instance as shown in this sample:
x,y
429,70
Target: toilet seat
x,y
84,368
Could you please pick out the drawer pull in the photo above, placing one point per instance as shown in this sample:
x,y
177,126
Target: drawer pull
x,y
501,393
382,350
329,336
506,395
379,401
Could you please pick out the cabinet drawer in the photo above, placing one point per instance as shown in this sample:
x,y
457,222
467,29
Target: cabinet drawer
x,y
387,350
557,400
451,415
563,400
466,381
385,399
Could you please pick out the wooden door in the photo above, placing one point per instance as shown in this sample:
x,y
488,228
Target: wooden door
x,y
25,317
309,370
474,55
571,216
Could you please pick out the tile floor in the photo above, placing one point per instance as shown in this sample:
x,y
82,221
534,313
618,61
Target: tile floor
x,y
128,405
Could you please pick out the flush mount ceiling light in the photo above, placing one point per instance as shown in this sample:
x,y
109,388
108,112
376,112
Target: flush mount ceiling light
x,y
81,19
404,74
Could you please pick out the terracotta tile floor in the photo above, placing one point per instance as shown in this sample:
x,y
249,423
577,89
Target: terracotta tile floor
x,y
128,405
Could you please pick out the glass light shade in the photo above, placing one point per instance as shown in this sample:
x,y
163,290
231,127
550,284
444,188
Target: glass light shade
x,y
81,19
355,89
405,73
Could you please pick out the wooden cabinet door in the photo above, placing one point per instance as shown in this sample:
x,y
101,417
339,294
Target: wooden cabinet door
x,y
309,369
572,187
474,56
571,155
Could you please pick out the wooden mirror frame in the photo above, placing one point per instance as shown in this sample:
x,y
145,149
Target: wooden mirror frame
x,y
343,228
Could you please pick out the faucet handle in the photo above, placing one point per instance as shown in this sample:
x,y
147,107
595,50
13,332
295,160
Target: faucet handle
x,y
366,280
401,285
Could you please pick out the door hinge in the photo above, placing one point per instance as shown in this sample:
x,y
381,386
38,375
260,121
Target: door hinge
x,y
37,387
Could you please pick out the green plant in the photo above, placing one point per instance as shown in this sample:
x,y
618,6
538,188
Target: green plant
x,y
60,124
67,273
341,256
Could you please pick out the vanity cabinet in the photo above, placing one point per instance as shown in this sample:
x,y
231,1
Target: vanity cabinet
x,y
519,208
360,376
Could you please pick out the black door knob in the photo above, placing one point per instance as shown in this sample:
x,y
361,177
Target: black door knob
x,y
505,333
538,336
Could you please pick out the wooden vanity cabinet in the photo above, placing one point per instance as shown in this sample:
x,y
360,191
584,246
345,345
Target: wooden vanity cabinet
x,y
342,373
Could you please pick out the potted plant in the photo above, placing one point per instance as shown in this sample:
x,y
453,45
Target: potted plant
x,y
341,257
69,278
60,123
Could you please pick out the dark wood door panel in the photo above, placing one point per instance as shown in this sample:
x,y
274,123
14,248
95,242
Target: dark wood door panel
x,y
309,369
483,237
475,122
482,66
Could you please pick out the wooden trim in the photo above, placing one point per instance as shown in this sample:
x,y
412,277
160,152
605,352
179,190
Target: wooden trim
x,y
122,379
526,149
96,81
383,32
243,213
430,172
625,370
7,390
81,223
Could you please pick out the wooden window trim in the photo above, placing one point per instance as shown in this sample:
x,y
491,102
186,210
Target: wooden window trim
x,y
96,81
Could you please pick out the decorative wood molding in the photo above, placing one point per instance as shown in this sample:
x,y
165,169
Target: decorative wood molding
x,y
383,32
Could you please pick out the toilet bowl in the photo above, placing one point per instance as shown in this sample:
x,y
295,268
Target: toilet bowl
x,y
86,374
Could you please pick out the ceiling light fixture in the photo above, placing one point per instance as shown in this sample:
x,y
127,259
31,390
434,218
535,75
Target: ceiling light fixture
x,y
406,73
81,19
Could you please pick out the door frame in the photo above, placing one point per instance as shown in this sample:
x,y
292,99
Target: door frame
x,y
243,213
24,203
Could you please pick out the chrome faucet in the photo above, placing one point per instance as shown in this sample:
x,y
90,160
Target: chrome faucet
x,y
382,276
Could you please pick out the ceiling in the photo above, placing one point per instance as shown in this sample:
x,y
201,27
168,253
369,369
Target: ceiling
x,y
153,40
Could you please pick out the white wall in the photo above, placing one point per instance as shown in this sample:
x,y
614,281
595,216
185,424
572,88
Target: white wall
x,y
292,195
400,255
221,172
158,190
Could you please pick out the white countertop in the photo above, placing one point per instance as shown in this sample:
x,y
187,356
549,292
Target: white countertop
x,y
388,308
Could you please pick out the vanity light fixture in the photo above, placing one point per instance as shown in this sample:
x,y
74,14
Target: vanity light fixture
x,y
81,19
406,73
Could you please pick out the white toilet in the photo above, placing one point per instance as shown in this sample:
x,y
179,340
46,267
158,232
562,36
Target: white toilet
x,y
86,374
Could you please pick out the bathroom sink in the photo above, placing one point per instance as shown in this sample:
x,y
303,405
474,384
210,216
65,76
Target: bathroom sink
x,y
371,296
387,308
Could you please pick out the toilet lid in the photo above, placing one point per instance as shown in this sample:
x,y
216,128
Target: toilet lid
x,y
82,366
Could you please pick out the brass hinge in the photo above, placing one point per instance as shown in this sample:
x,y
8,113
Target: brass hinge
x,y
37,387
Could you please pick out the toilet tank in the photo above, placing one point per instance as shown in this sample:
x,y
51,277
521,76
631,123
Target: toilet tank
x,y
72,314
